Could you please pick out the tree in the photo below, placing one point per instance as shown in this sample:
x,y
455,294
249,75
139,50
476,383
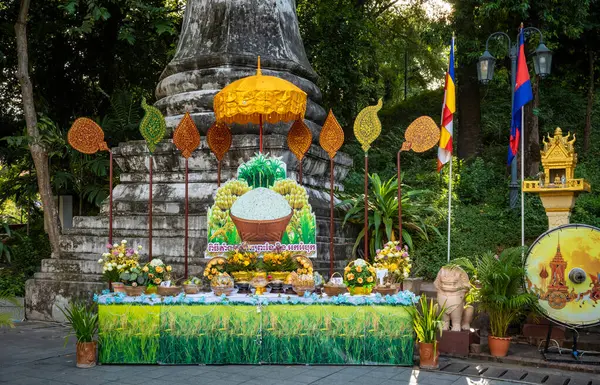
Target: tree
x,y
38,152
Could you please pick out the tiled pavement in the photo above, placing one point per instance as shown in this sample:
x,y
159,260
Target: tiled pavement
x,y
33,353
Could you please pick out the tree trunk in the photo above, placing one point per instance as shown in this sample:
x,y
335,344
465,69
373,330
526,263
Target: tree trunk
x,y
532,133
38,152
469,112
587,131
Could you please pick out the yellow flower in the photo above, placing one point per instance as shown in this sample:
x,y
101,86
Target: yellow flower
x,y
213,270
169,268
220,261
210,277
246,263
159,269
150,275
350,276
346,269
358,269
359,280
370,279
145,269
157,281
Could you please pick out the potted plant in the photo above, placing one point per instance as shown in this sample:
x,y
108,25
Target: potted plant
x,y
395,261
83,319
427,322
502,295
118,259
157,272
359,277
135,280
241,263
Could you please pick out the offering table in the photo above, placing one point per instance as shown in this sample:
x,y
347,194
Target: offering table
x,y
269,329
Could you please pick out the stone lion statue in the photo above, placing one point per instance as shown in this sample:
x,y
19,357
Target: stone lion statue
x,y
452,284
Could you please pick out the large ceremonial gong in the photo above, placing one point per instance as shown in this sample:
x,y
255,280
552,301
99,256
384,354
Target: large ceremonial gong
x,y
563,270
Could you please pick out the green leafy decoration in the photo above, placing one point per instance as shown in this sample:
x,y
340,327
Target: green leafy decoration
x,y
153,126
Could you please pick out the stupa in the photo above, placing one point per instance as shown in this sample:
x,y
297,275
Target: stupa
x,y
219,43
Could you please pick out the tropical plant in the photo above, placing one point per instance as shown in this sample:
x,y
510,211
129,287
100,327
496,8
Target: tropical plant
x,y
501,294
383,214
427,320
83,319
6,318
262,171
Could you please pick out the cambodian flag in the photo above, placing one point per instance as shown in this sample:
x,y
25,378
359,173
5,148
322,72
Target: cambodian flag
x,y
523,95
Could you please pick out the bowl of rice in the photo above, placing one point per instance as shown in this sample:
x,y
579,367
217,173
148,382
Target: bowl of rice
x,y
261,215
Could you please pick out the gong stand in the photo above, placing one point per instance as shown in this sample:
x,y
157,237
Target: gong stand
x,y
575,355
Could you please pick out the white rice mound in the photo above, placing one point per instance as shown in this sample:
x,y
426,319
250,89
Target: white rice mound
x,y
261,204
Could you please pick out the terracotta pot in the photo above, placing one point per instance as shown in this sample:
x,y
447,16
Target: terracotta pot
x,y
259,231
498,346
86,354
118,287
428,356
360,290
134,291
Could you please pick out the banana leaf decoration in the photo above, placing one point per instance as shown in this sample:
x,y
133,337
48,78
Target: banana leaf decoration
x,y
153,126
332,135
86,136
422,134
186,136
367,126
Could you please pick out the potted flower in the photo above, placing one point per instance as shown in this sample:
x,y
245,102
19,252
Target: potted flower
x,y
157,272
278,264
359,277
427,322
118,259
135,280
241,263
83,319
394,261
502,296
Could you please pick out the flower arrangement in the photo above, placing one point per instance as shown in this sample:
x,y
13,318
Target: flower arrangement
x,y
157,272
241,259
359,274
304,265
215,266
278,261
395,259
134,277
118,259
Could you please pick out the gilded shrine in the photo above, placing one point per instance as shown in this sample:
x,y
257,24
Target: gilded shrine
x,y
557,185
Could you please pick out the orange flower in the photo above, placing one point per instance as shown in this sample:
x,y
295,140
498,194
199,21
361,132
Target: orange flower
x,y
370,279
359,280
159,269
157,281
150,275
169,268
358,269
350,277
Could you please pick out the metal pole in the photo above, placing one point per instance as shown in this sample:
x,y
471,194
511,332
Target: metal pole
x,y
260,133
150,213
366,256
110,198
218,172
331,223
300,173
449,206
399,199
186,219
522,180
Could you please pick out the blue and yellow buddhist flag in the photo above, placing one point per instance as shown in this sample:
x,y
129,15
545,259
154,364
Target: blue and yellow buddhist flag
x,y
523,95
448,109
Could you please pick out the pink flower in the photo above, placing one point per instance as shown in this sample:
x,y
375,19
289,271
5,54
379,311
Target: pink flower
x,y
108,246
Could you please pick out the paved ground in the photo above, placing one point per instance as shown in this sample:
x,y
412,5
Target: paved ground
x,y
34,353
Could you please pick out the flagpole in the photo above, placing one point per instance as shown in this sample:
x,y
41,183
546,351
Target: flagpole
x,y
522,179
450,171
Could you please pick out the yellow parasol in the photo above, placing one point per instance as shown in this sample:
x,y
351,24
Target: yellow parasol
x,y
260,98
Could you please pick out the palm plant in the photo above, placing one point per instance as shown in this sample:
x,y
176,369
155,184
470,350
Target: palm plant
x,y
383,213
501,294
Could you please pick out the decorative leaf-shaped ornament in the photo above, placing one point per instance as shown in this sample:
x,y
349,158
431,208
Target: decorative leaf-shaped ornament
x,y
299,139
367,126
86,136
153,126
186,136
423,134
332,135
219,139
